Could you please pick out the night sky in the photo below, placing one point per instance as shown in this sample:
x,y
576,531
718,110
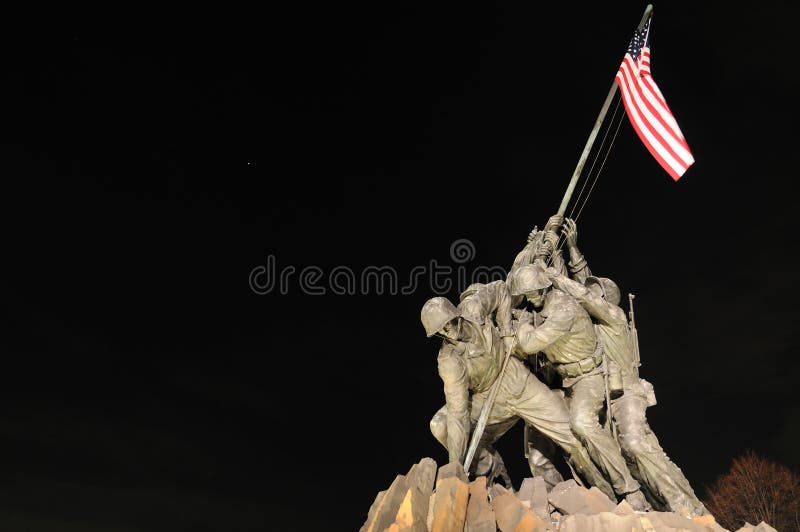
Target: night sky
x,y
149,167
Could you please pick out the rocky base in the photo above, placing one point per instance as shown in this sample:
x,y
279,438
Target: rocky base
x,y
415,503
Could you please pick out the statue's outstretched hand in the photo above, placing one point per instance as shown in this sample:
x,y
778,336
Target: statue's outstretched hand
x,y
570,232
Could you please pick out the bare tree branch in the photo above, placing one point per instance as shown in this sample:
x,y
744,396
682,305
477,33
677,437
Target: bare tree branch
x,y
754,490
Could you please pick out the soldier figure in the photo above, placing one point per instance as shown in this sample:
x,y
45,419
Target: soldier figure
x,y
470,359
541,244
600,297
567,338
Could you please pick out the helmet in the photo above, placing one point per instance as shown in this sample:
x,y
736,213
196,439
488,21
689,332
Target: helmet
x,y
471,289
435,313
527,279
610,289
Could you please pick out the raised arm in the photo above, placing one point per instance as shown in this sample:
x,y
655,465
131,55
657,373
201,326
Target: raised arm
x,y
541,244
595,304
558,262
525,256
577,263
533,339
453,372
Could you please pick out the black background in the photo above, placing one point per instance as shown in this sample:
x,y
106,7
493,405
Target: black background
x,y
152,161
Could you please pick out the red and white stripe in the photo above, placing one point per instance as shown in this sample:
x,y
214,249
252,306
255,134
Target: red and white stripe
x,y
651,117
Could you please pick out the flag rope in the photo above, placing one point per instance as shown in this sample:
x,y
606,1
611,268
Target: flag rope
x,y
594,161
605,158
561,239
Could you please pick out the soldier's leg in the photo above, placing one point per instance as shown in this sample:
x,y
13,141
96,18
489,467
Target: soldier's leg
x,y
488,461
541,451
653,467
587,397
439,426
491,433
545,410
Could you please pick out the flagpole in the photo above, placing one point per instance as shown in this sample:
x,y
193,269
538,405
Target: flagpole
x,y
599,122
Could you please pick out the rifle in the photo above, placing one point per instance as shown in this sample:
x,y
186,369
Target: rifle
x,y
609,421
637,361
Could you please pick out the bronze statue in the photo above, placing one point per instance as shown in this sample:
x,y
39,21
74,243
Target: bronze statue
x,y
469,361
575,329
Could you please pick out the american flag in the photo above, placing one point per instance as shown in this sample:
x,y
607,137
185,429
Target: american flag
x,y
647,109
